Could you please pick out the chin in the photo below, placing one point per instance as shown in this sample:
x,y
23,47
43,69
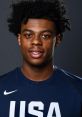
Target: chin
x,y
40,64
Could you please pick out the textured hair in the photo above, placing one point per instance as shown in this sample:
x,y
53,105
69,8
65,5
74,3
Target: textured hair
x,y
53,10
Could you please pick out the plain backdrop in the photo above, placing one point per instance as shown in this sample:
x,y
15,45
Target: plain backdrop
x,y
67,56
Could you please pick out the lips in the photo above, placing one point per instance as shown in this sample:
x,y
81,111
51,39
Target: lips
x,y
36,53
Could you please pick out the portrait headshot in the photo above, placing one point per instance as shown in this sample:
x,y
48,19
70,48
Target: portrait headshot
x,y
40,58
68,53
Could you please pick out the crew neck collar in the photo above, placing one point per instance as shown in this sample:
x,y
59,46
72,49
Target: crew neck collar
x,y
23,79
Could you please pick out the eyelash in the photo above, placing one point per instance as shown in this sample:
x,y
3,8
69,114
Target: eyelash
x,y
27,35
43,36
46,36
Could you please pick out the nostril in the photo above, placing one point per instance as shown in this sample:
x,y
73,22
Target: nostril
x,y
36,42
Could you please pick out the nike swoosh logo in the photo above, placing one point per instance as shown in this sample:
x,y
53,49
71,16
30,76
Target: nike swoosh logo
x,y
8,93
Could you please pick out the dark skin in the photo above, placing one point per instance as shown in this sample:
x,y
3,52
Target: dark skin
x,y
37,40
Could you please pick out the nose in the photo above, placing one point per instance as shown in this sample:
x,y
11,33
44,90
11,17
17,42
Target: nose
x,y
36,40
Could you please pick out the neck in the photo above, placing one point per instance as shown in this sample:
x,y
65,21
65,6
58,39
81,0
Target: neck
x,y
37,73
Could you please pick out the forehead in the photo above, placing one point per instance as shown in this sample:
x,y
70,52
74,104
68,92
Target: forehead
x,y
38,25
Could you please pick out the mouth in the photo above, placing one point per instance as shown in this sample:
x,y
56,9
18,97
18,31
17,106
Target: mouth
x,y
36,54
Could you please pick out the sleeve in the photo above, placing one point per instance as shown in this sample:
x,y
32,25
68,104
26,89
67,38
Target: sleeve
x,y
77,82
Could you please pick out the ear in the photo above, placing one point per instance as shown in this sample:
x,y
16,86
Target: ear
x,y
58,39
19,39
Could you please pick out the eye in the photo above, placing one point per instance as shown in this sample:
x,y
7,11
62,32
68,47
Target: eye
x,y
46,36
28,35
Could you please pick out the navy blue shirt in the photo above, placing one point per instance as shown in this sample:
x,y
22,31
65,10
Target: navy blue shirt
x,y
59,96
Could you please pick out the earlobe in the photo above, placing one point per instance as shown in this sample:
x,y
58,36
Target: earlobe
x,y
58,39
18,38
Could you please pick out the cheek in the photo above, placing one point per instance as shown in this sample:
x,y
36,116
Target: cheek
x,y
49,46
24,44
23,47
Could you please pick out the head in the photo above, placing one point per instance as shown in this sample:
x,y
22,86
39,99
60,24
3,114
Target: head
x,y
39,26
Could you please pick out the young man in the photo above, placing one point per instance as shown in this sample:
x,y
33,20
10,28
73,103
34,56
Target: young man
x,y
37,88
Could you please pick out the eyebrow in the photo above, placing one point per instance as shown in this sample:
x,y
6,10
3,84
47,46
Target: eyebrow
x,y
45,30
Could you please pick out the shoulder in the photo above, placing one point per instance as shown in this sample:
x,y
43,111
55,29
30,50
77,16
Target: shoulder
x,y
8,76
74,80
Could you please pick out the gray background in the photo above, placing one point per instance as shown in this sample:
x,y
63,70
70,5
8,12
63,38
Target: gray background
x,y
67,56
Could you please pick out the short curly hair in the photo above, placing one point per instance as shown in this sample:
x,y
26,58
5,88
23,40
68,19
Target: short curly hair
x,y
53,10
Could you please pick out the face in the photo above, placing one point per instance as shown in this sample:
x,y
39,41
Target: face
x,y
37,40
